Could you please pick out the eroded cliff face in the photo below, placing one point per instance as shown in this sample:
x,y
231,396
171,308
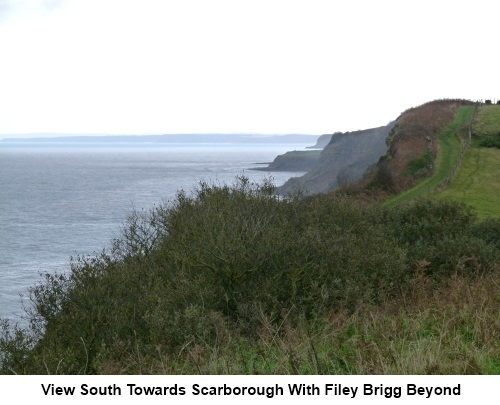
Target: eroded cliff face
x,y
344,160
413,140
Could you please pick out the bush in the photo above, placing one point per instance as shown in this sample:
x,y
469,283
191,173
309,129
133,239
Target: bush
x,y
218,262
441,237
490,142
420,165
15,346
488,230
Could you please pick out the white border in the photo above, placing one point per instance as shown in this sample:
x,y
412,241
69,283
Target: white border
x,y
28,389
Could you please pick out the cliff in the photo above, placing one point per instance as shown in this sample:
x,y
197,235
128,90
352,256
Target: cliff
x,y
322,141
344,160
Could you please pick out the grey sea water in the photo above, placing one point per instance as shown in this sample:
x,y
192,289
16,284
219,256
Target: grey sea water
x,y
59,200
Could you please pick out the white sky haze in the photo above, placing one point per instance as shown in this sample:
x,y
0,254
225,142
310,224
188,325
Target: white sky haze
x,y
314,67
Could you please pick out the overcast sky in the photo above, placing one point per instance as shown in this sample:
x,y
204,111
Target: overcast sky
x,y
159,66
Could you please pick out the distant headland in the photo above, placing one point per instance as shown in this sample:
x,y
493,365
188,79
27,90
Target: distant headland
x,y
170,138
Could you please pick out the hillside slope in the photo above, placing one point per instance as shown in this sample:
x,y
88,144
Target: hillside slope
x,y
444,149
413,146
476,182
465,166
451,141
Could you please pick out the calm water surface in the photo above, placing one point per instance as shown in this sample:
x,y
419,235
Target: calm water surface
x,y
60,200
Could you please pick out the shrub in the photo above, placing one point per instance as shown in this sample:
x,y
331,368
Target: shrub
x,y
443,235
15,346
420,165
490,142
223,260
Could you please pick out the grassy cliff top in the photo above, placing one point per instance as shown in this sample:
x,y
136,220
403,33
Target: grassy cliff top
x,y
487,121
430,155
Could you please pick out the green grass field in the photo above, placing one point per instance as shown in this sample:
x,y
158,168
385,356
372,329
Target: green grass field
x,y
487,121
449,149
477,181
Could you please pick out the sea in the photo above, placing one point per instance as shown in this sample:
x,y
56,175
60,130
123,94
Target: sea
x,y
61,200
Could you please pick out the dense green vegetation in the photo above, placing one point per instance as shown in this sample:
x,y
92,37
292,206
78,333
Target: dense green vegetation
x,y
420,165
234,279
493,142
